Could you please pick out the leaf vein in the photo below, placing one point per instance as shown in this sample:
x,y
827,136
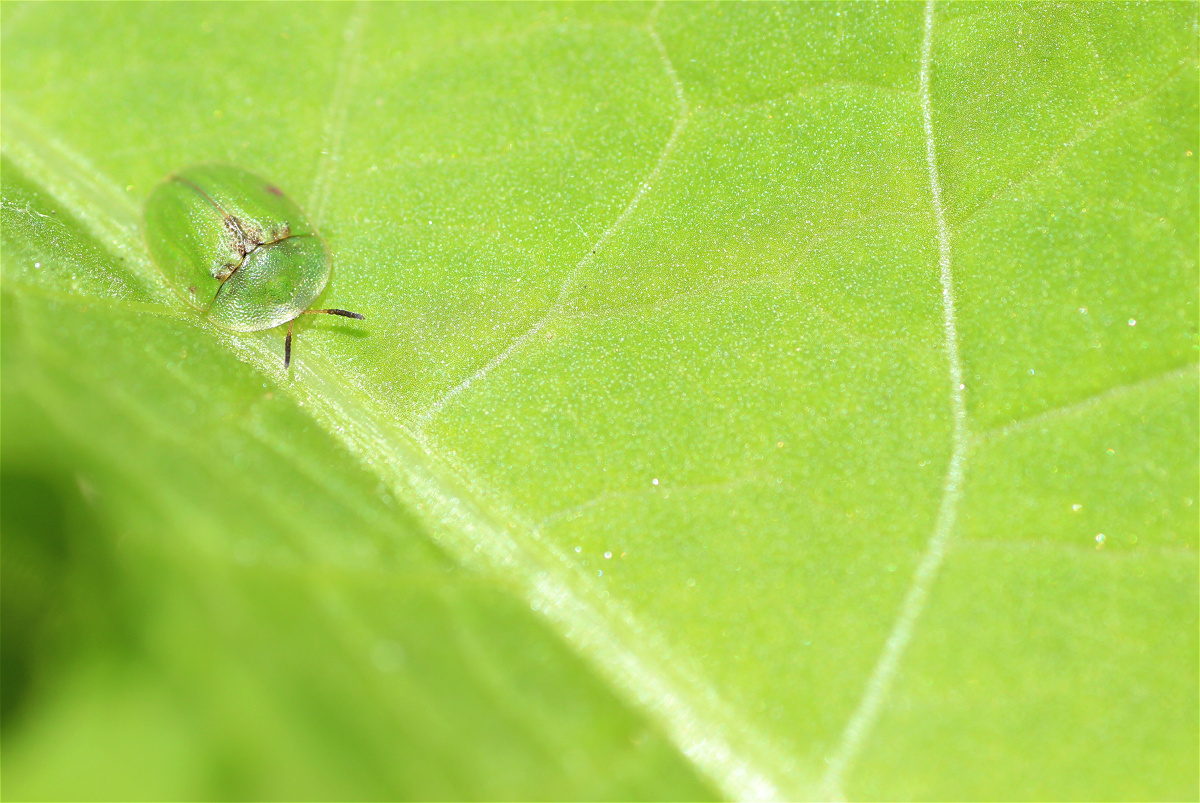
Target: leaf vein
x,y
1085,404
335,117
681,120
878,685
1082,135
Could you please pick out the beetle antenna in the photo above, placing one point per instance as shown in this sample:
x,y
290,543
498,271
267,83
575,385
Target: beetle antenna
x,y
344,313
287,345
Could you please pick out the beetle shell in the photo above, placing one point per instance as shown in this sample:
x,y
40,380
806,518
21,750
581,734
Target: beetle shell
x,y
231,244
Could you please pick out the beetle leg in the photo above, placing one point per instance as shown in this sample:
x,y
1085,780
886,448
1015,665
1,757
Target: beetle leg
x,y
342,312
287,345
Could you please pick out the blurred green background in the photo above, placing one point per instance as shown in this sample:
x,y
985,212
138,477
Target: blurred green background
x,y
621,488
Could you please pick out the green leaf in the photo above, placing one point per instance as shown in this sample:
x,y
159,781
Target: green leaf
x,y
773,400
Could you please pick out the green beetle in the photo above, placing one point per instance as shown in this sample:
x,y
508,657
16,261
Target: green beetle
x,y
235,247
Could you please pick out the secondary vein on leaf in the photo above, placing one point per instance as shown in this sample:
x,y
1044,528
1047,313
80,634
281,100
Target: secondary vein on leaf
x,y
1083,405
335,117
879,684
422,420
1083,134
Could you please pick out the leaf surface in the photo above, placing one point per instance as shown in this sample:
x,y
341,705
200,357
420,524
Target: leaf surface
x,y
700,438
